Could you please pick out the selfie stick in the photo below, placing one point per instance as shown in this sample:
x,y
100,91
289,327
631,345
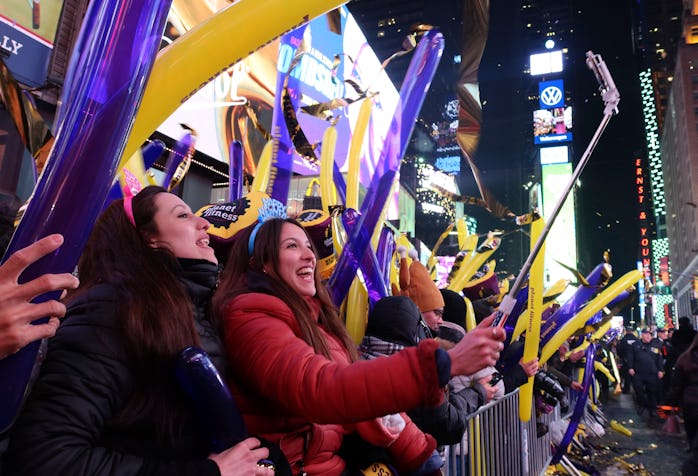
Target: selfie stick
x,y
611,97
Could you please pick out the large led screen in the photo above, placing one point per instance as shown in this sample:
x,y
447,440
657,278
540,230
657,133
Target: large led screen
x,y
220,112
552,125
561,244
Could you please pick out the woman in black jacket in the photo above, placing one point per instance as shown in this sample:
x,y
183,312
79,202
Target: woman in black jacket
x,y
107,400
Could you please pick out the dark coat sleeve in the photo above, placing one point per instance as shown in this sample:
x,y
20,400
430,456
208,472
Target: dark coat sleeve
x,y
83,383
514,378
447,422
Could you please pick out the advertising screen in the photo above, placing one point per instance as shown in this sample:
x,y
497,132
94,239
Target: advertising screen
x,y
220,111
27,31
552,125
561,244
554,155
546,63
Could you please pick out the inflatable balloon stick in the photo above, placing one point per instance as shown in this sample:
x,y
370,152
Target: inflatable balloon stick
x,y
328,192
579,406
236,174
261,178
533,314
212,400
431,262
110,70
354,155
620,428
476,260
357,310
415,85
243,27
462,229
594,306
179,159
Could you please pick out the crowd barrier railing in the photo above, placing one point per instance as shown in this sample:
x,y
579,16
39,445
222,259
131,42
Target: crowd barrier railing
x,y
498,443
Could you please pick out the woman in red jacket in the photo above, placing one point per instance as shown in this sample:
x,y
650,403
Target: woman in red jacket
x,y
294,369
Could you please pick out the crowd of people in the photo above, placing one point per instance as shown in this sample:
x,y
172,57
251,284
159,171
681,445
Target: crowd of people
x,y
108,400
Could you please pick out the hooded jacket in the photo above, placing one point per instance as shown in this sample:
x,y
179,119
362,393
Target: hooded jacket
x,y
67,425
306,403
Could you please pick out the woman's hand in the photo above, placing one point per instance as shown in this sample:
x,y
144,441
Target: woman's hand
x,y
478,349
16,309
242,459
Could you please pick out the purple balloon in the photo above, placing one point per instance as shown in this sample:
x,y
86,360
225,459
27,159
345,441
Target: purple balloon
x,y
414,88
385,251
109,74
235,171
282,150
570,308
180,151
375,285
578,406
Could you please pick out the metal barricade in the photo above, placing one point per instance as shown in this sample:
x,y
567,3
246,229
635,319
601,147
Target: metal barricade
x,y
499,444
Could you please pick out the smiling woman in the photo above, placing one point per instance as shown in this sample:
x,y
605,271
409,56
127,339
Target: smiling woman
x,y
295,371
107,399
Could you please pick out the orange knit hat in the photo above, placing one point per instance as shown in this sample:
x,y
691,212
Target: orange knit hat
x,y
417,283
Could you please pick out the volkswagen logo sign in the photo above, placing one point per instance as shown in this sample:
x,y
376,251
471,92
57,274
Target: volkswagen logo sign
x,y
551,96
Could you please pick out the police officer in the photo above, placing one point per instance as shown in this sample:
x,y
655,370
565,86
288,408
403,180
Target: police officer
x,y
664,344
624,348
646,367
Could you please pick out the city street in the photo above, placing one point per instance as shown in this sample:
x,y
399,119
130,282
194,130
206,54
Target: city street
x,y
648,451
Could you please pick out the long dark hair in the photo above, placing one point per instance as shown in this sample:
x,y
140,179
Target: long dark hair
x,y
243,274
152,306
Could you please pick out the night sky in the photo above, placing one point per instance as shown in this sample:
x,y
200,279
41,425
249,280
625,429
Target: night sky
x,y
607,208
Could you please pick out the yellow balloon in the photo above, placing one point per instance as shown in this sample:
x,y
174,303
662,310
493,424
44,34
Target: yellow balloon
x,y
357,310
261,178
471,264
598,334
470,321
431,262
211,47
598,366
354,155
594,306
462,229
328,191
532,318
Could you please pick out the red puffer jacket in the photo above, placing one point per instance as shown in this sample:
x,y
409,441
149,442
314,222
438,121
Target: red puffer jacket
x,y
306,403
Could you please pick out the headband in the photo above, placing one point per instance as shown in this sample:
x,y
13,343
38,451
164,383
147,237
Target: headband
x,y
270,209
128,208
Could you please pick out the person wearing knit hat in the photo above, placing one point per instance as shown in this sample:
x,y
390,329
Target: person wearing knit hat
x,y
416,283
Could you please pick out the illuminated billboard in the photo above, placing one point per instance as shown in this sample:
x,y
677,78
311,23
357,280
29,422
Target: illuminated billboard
x,y
220,111
27,31
551,94
552,125
554,155
546,63
561,244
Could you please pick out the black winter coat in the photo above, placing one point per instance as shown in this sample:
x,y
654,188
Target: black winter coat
x,y
684,385
67,426
645,359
